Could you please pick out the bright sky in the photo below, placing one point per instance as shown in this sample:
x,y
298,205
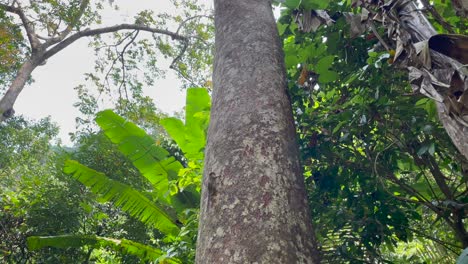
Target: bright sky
x,y
52,92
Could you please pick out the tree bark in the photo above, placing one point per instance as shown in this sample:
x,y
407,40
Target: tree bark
x,y
8,100
254,207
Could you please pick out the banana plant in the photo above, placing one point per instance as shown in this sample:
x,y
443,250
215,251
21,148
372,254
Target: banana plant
x,y
157,166
144,252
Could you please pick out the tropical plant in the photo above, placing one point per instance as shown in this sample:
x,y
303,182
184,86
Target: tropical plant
x,y
170,206
35,197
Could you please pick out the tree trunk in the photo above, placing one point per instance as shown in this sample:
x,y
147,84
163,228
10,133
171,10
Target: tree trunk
x,y
6,103
254,207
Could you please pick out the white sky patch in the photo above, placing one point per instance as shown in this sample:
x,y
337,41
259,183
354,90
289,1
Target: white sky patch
x,y
52,92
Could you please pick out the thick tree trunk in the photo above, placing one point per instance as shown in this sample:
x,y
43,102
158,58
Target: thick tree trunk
x,y
254,207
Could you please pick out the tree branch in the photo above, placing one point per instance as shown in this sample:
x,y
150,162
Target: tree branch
x,y
28,25
93,32
51,41
40,54
182,24
437,16
445,244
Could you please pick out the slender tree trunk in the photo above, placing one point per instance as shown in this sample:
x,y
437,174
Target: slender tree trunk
x,y
6,103
254,207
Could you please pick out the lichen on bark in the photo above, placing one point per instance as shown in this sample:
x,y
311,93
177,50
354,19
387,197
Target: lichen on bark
x,y
254,207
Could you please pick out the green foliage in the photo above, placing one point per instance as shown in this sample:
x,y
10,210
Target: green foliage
x,y
126,246
151,160
123,196
159,206
35,197
11,49
374,157
191,139
191,136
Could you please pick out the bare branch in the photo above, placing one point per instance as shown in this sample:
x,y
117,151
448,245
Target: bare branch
x,y
120,56
123,83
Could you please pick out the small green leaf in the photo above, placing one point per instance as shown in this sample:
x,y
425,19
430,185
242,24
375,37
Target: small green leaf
x,y
431,149
338,127
173,189
291,61
282,28
423,150
292,3
422,101
431,109
372,54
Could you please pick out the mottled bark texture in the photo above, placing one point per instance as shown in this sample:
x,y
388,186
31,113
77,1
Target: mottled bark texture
x,y
254,207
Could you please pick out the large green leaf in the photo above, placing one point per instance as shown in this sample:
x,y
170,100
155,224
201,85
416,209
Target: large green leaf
x,y
154,162
123,196
126,246
191,137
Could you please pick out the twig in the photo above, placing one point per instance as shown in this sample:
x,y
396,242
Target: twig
x,y
119,56
377,35
438,241
83,5
122,61
28,25
182,24
437,16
